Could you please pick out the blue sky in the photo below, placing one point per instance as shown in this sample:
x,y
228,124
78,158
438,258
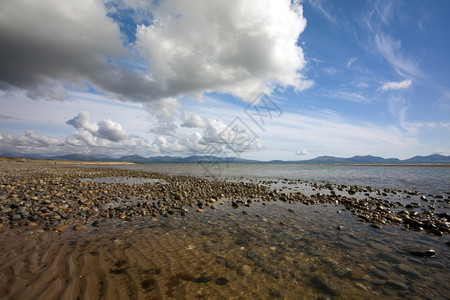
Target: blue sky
x,y
259,79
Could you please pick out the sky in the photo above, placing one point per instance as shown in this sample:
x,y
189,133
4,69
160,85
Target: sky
x,y
257,79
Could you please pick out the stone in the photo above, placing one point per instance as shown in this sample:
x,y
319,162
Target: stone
x,y
221,281
376,225
203,279
60,228
274,293
230,264
245,270
79,227
421,251
361,286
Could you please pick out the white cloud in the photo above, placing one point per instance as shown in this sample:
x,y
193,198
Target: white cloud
x,y
30,142
193,121
318,6
111,131
196,47
81,121
442,152
164,111
391,50
188,49
396,85
351,61
349,96
302,152
105,129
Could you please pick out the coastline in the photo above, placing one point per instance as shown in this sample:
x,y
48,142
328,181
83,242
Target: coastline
x,y
181,235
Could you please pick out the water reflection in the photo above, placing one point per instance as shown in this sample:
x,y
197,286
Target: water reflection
x,y
291,251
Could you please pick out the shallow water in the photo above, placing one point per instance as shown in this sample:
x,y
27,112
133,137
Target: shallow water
x,y
427,179
273,250
269,249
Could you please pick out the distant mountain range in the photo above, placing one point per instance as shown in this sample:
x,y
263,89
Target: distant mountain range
x,y
367,159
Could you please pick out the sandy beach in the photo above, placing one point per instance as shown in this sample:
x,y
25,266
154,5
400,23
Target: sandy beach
x,y
71,232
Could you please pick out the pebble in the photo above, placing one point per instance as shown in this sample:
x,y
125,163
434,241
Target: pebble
x,y
361,286
93,199
421,251
245,270
60,228
274,293
221,281
80,227
203,279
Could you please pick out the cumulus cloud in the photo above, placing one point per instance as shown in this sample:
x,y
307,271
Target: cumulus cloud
x,y
396,85
30,142
193,121
164,111
49,44
198,47
180,48
105,129
217,138
302,152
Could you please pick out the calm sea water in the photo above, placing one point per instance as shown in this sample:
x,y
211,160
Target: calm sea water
x,y
426,179
296,251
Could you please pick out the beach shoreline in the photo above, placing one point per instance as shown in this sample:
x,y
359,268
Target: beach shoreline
x,y
76,230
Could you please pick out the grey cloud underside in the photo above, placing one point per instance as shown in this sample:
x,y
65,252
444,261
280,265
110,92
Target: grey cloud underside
x,y
48,46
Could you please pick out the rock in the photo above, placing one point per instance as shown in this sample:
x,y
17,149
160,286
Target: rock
x,y
274,293
79,227
203,279
221,281
16,217
361,286
245,270
421,251
341,272
322,283
230,264
60,228
208,246
254,255
376,226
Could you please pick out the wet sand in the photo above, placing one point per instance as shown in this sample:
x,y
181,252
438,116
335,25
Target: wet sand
x,y
224,248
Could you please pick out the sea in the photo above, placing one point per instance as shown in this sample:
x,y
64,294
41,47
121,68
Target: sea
x,y
433,179
280,250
